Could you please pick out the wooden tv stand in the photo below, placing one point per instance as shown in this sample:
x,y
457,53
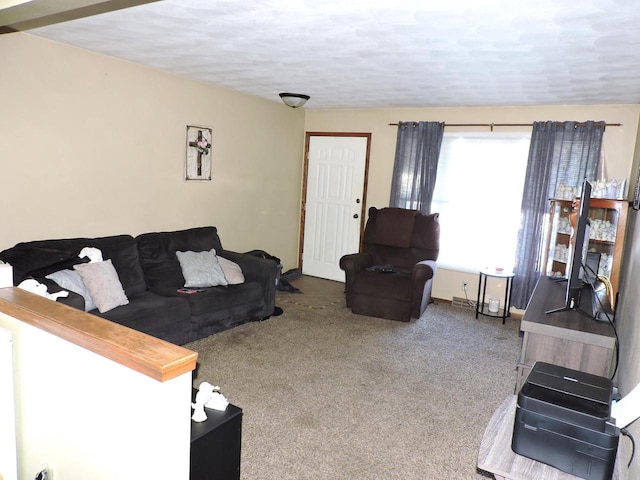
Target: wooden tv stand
x,y
568,338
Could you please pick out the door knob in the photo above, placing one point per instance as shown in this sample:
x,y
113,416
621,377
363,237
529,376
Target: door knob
x,y
356,216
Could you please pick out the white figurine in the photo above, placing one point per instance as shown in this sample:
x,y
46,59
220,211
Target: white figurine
x,y
93,254
33,286
210,397
199,415
207,388
215,400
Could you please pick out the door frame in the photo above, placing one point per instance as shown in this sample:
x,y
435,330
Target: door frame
x,y
303,200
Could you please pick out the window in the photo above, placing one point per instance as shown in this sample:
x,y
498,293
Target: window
x,y
478,194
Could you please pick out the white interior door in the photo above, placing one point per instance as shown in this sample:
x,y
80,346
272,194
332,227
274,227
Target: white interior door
x,y
334,203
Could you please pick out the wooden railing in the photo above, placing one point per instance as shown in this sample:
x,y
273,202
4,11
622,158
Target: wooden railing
x,y
141,352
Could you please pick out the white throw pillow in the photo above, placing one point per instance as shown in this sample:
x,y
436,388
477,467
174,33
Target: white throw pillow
x,y
201,269
103,283
232,271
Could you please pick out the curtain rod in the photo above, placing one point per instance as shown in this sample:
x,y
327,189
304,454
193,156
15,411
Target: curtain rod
x,y
491,125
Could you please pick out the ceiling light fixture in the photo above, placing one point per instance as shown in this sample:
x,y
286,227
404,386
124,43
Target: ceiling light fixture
x,y
294,100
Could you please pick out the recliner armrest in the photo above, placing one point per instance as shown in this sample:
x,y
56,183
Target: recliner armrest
x,y
352,264
355,262
422,276
424,270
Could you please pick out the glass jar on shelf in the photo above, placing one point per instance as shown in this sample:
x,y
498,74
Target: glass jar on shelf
x,y
559,236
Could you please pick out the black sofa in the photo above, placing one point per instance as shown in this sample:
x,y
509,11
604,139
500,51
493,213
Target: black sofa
x,y
151,276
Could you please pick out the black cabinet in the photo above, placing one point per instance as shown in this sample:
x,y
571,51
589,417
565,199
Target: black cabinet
x,y
215,445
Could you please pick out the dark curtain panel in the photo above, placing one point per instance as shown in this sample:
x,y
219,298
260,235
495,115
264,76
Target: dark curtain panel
x,y
416,163
560,153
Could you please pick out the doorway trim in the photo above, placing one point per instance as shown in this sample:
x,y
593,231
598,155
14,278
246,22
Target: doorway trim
x,y
303,200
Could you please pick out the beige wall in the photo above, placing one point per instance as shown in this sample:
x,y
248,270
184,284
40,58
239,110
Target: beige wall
x,y
91,145
619,144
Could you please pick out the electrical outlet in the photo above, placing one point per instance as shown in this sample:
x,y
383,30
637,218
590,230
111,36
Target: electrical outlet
x,y
464,287
44,474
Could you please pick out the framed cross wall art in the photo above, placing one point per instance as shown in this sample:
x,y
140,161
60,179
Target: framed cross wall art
x,y
198,156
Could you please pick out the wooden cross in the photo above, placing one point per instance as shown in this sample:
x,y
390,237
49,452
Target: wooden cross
x,y
195,144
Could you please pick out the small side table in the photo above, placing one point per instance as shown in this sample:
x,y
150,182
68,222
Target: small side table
x,y
482,288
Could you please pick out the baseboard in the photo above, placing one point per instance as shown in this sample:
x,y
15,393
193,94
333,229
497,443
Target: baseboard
x,y
463,303
471,305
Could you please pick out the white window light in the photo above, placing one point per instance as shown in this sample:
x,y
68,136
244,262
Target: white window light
x,y
478,194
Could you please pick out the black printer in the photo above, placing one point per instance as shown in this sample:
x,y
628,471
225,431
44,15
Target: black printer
x,y
563,419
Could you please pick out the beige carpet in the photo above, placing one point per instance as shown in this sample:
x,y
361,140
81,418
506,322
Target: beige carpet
x,y
328,394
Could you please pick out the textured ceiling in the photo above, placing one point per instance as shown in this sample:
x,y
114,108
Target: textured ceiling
x,y
384,53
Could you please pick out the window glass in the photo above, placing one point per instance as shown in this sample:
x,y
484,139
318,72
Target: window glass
x,y
478,194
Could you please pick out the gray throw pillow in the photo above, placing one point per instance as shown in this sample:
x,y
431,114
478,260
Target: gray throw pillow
x,y
72,281
103,283
201,269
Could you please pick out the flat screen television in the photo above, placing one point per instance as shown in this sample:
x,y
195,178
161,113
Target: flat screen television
x,y
576,287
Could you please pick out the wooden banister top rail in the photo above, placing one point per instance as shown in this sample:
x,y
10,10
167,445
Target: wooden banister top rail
x,y
141,352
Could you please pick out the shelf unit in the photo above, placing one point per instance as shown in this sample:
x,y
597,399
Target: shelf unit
x,y
607,232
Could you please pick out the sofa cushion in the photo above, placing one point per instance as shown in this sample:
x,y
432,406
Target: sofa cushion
x,y
201,269
163,317
158,253
218,298
123,252
103,284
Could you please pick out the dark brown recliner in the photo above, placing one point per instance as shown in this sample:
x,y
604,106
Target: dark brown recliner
x,y
409,242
